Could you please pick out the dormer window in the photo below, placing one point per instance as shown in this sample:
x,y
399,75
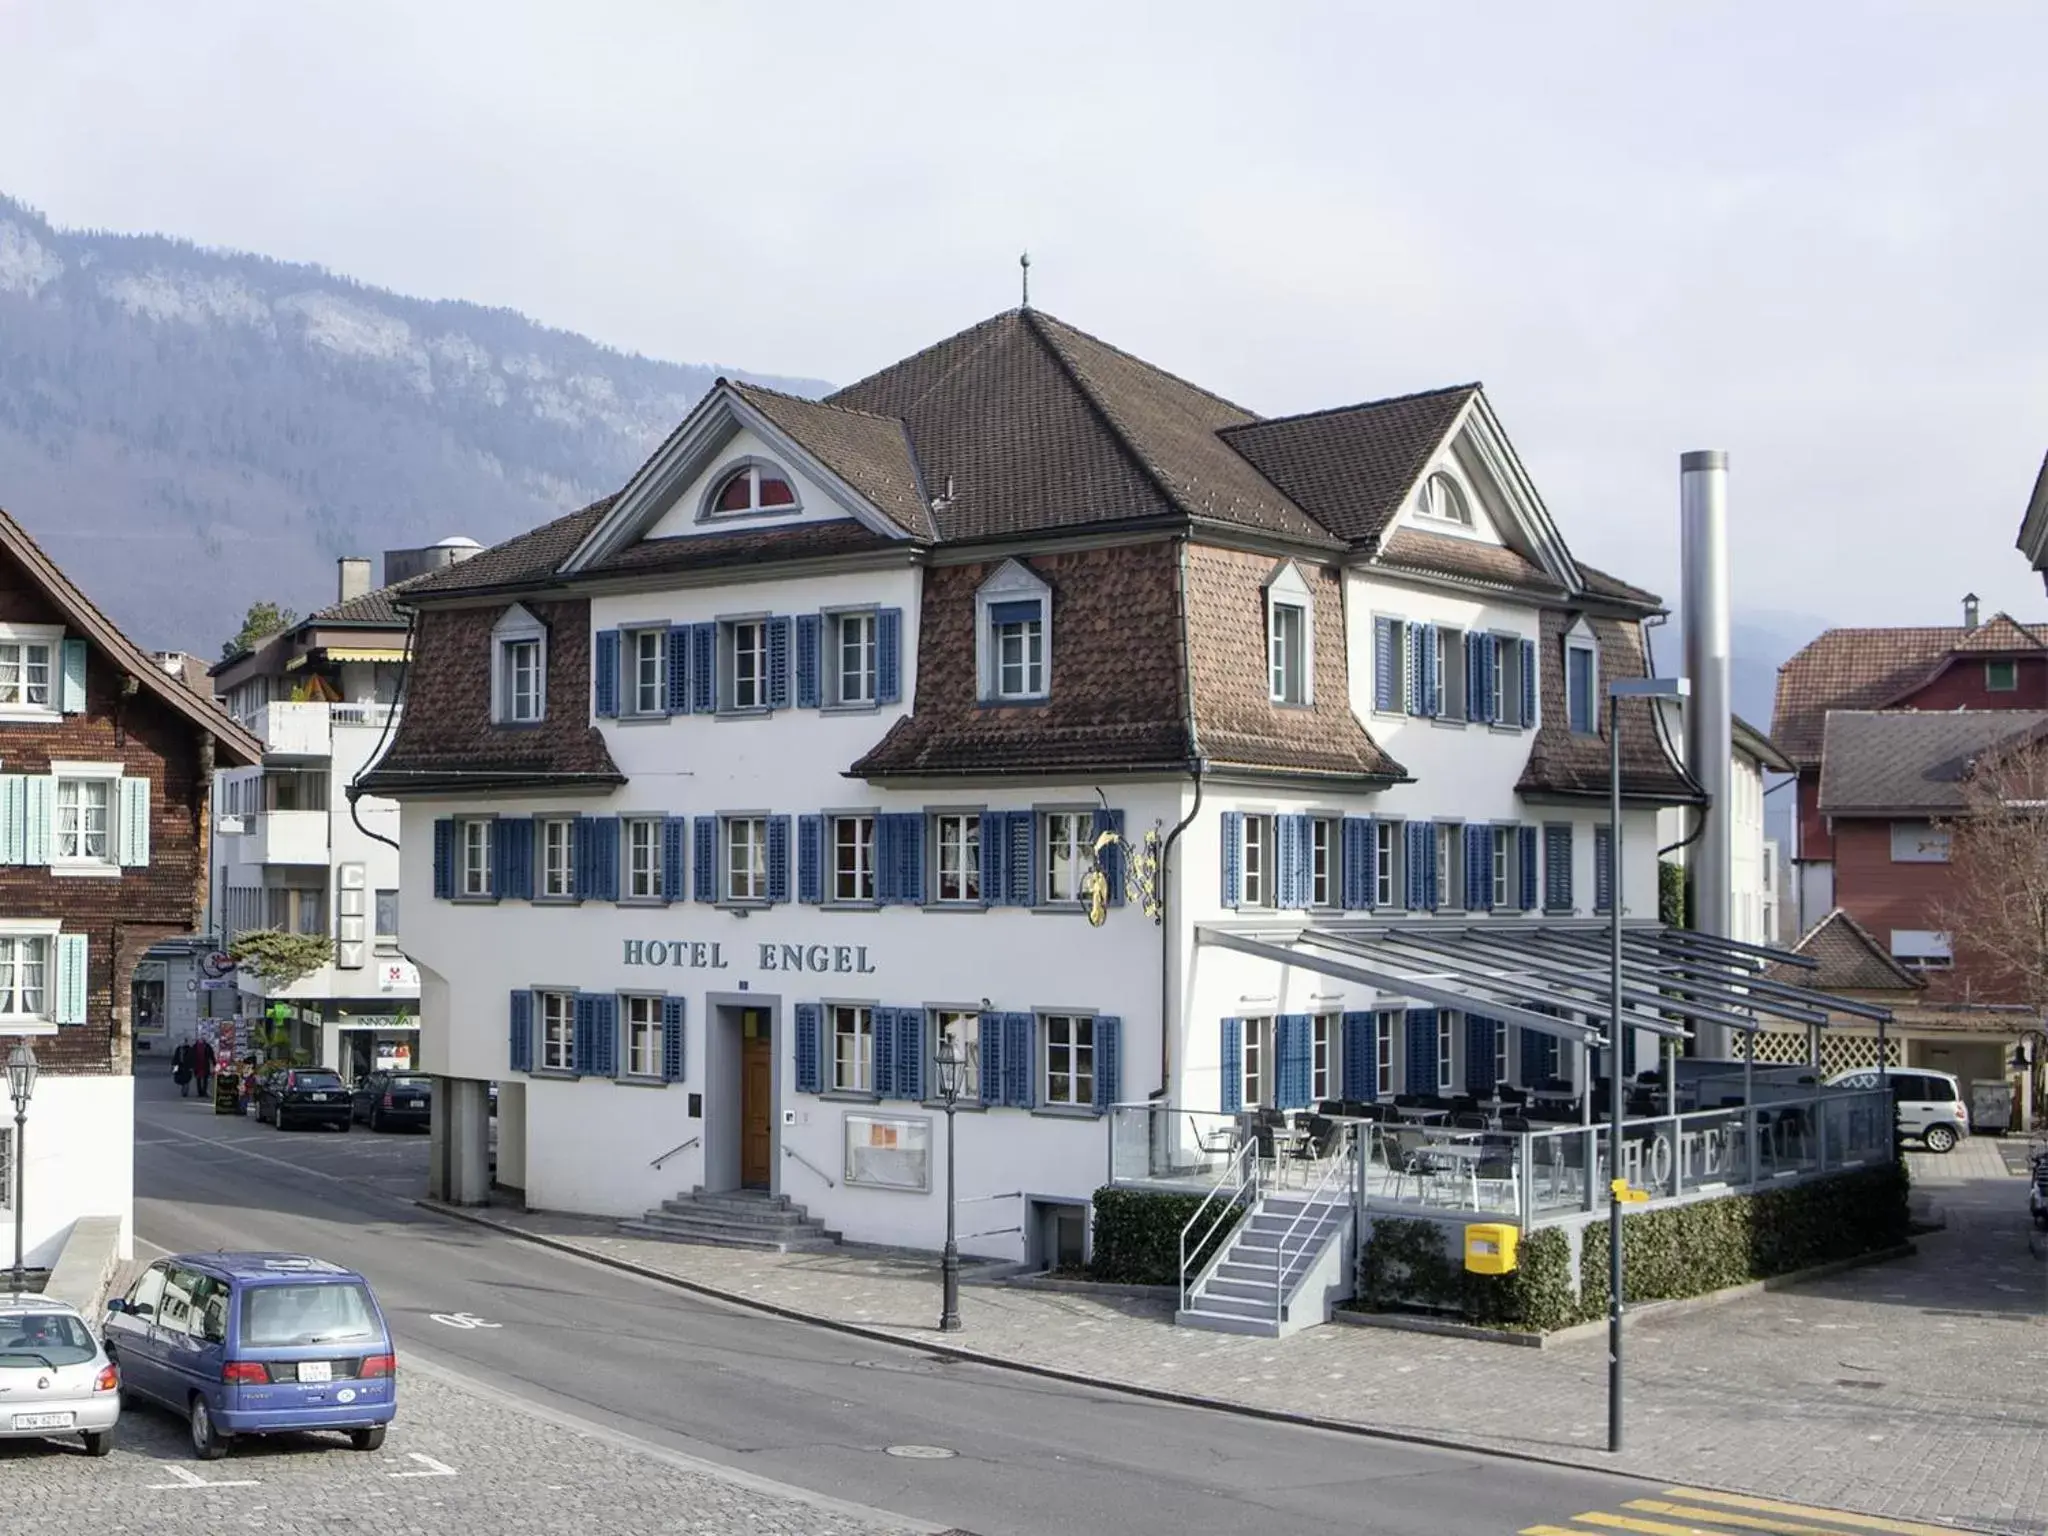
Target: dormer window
x,y
752,488
1013,636
1289,636
1444,500
518,669
1582,681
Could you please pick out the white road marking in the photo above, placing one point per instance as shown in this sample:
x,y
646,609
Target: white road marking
x,y
434,1468
461,1320
189,1479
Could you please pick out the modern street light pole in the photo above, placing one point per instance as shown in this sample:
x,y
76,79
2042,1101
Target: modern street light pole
x,y
952,1064
1656,689
21,1084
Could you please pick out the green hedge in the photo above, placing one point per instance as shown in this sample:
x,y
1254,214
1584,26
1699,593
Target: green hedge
x,y
1137,1235
1682,1250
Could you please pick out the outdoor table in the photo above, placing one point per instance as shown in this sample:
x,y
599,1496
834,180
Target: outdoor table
x,y
1421,1116
1465,1151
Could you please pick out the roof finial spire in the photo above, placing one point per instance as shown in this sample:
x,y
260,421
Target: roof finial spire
x,y
1024,262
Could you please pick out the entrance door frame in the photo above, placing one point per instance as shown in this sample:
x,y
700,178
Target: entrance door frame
x,y
723,1087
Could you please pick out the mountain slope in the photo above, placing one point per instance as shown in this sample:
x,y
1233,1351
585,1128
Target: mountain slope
x,y
188,430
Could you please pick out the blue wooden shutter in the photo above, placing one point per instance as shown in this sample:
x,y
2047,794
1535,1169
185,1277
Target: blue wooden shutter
x,y
512,858
676,671
672,1036
72,967
1525,847
704,858
1528,648
522,1031
1432,673
910,1054
704,668
889,656
601,835
71,687
444,855
810,859
807,630
605,674
1113,855
778,858
1233,858
1557,869
675,858
1281,864
1109,1062
1479,1042
585,1024
1496,705
1415,835
1422,1050
1232,1066
1471,675
1359,1047
810,1029
1293,1062
906,857
1386,668
1479,869
778,663
1020,859
604,1012
883,1023
995,841
1020,1060
1411,684
1357,866
1530,1049
133,828
1603,869
990,1036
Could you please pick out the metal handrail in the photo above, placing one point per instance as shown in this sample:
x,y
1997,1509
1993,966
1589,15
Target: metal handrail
x,y
821,1173
1241,1174
1341,1165
672,1151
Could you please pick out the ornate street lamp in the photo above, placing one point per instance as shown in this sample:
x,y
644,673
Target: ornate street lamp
x,y
21,1084
952,1065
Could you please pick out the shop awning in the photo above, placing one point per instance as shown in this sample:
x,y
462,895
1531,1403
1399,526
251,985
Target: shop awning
x,y
363,653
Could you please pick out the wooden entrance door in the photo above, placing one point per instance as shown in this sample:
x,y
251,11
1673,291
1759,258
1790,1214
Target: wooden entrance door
x,y
757,1101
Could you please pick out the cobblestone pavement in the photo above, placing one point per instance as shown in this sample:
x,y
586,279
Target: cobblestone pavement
x,y
1904,1389
456,1461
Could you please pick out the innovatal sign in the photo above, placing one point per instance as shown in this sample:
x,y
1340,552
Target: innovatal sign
x,y
809,959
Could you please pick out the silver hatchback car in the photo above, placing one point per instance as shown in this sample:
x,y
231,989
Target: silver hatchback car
x,y
55,1379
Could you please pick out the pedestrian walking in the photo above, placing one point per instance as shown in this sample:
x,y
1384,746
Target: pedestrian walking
x,y
181,1070
202,1066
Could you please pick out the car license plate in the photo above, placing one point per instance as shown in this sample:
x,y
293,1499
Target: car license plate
x,y
315,1370
319,1098
43,1420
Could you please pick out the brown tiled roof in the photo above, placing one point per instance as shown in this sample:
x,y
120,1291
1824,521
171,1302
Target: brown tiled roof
x,y
1236,721
1417,549
1999,635
1351,468
445,738
1856,669
1042,428
372,608
1908,759
1759,746
532,557
1561,763
747,546
870,453
1118,698
1600,584
1850,960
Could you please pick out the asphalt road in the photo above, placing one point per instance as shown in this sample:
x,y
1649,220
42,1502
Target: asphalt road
x,y
790,1402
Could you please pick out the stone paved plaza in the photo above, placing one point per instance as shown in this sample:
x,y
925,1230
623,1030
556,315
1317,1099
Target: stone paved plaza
x,y
1907,1389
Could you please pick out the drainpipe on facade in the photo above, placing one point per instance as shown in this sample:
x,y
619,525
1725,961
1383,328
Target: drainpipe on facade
x,y
1166,848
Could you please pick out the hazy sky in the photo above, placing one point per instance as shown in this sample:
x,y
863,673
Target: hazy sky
x,y
1811,234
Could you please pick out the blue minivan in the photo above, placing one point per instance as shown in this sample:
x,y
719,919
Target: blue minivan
x,y
256,1344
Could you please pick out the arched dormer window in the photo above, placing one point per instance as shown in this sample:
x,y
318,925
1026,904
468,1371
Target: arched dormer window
x,y
1444,499
752,489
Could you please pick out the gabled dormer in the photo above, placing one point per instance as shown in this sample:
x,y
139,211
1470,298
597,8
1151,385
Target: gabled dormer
x,y
1013,636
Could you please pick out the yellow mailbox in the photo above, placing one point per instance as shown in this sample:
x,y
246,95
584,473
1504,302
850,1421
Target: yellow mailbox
x,y
1490,1247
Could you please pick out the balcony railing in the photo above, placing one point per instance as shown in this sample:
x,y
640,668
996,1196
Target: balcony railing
x,y
285,837
289,729
377,715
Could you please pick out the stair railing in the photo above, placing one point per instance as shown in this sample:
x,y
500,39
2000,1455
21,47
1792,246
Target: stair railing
x,y
1237,1185
672,1151
1342,1170
821,1173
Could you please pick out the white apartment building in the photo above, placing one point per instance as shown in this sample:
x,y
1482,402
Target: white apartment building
x,y
1753,859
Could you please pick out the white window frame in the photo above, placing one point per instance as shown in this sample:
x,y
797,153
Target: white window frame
x,y
43,934
1508,680
1074,1057
384,937
644,695
2012,671
1501,852
516,628
965,1024
756,469
555,1049
61,774
640,1025
1065,836
1923,949
552,888
865,677
1290,679
1387,1027
1325,860
25,636
1388,840
1450,865
860,868
1012,582
1257,862
730,632
473,835
642,837
1323,1032
1254,1070
853,1023
1500,1054
966,846
1453,687
1441,499
1580,638
1919,842
728,868
1446,1045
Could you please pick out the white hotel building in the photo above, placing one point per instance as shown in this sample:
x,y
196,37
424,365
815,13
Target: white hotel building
x,y
724,798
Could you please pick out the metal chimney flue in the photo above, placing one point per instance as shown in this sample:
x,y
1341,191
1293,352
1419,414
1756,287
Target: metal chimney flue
x,y
1969,610
1709,732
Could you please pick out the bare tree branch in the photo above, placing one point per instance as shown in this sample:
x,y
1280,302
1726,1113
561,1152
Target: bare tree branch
x,y
1997,910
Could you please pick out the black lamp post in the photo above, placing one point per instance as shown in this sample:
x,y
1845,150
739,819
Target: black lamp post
x,y
21,1084
952,1064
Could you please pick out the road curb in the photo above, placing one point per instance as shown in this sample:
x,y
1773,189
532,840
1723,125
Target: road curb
x,y
1076,1378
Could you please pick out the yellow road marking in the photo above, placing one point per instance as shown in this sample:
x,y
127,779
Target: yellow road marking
x,y
1549,1530
1836,1519
1777,1526
1646,1527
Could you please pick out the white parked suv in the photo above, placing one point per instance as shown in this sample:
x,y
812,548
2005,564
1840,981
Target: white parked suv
x,y
55,1380
1930,1104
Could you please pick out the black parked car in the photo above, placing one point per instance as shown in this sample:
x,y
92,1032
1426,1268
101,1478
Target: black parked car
x,y
386,1099
303,1096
